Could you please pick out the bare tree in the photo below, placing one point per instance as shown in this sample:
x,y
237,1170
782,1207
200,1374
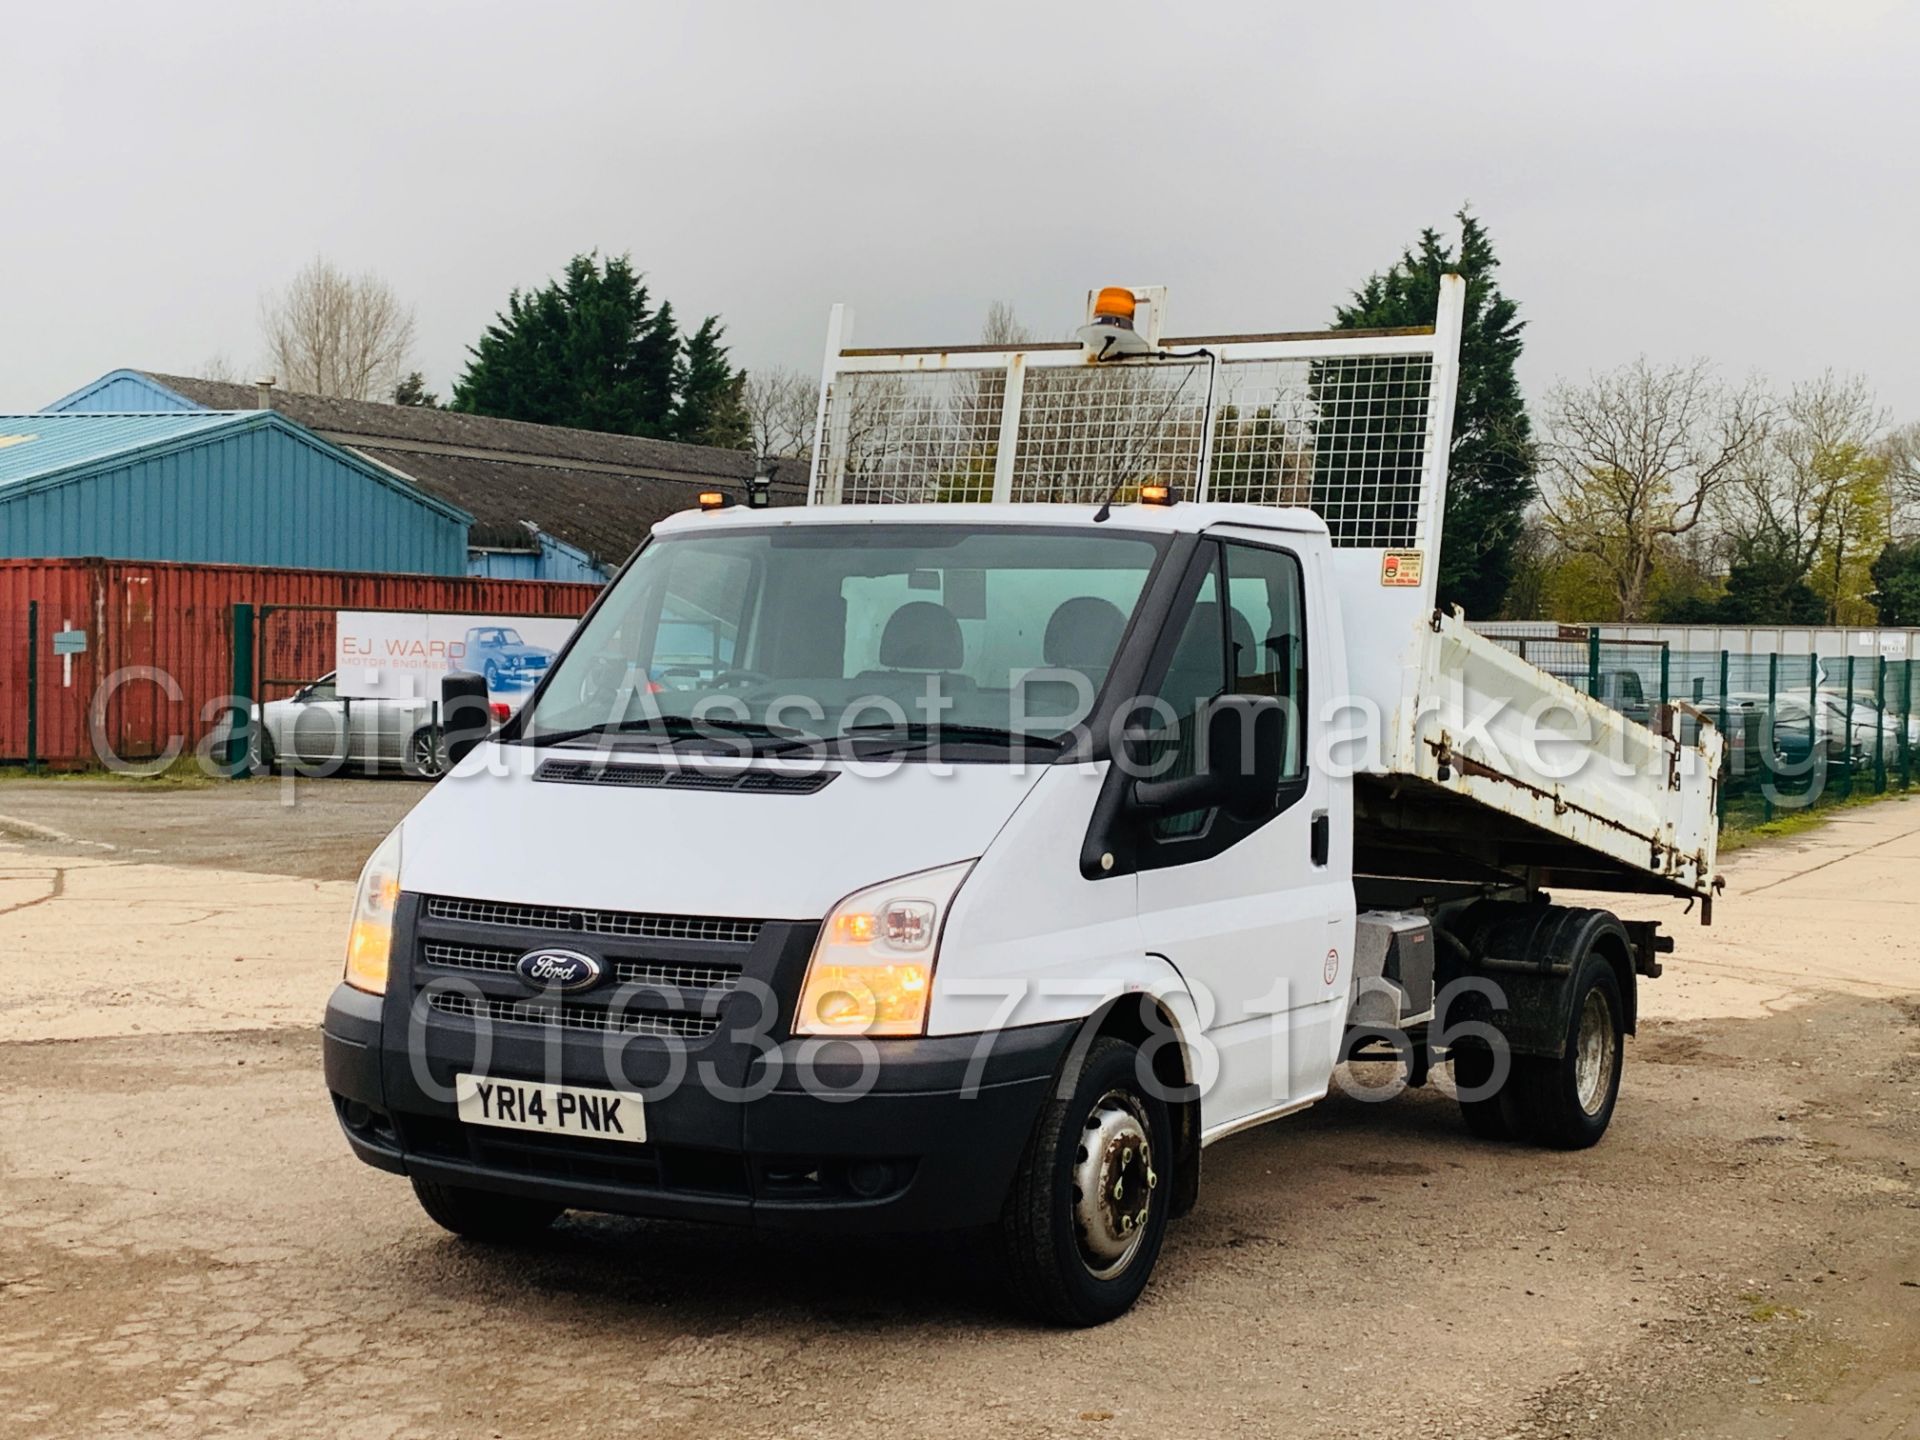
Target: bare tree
x,y
1634,456
330,333
1003,328
1901,450
219,366
781,406
1813,497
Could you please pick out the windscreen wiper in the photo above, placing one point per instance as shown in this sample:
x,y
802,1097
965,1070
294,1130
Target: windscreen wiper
x,y
685,727
920,734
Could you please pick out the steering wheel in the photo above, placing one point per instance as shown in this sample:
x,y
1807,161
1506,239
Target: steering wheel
x,y
734,679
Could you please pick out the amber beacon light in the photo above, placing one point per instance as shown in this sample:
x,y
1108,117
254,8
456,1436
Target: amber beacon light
x,y
1109,332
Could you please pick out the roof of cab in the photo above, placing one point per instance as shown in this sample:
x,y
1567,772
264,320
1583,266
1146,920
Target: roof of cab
x,y
1189,518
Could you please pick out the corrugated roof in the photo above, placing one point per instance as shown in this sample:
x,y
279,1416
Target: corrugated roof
x,y
597,491
32,446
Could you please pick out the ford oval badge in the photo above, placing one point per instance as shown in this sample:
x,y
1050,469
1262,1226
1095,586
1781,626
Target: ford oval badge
x,y
562,970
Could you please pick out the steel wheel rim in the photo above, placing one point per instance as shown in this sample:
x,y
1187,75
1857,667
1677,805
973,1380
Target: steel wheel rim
x,y
1593,1054
1113,1185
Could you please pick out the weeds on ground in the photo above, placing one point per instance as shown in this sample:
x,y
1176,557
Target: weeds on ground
x,y
182,773
1737,836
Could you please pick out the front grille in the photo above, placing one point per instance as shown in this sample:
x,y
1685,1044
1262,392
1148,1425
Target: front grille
x,y
575,1017
665,974
662,777
594,922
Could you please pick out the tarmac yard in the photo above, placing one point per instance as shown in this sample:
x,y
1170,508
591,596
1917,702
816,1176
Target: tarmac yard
x,y
187,1248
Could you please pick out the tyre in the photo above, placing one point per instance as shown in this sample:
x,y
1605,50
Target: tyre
x,y
493,677
1084,1221
482,1215
261,758
1567,1103
1491,1117
426,757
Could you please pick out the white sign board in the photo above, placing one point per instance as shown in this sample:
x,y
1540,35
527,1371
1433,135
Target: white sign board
x,y
393,655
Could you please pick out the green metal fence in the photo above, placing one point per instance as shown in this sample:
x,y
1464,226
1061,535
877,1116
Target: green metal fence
x,y
1802,730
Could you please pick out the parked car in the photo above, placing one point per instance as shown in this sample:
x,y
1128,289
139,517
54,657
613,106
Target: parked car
x,y
1619,690
316,728
1873,730
508,662
1796,738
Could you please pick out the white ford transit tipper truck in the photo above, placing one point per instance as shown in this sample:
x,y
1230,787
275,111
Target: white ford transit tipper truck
x,y
1078,779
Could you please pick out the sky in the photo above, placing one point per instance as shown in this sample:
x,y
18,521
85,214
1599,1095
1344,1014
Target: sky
x,y
1734,181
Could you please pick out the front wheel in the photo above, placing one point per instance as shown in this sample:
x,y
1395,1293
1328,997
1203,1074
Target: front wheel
x,y
483,1215
1568,1102
1083,1224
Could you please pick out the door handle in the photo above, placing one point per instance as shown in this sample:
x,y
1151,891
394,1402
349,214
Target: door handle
x,y
1321,837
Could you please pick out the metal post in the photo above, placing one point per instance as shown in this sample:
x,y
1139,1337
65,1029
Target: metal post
x,y
1880,728
1906,722
1849,722
1007,448
1593,661
240,737
1666,659
1816,788
1725,738
1767,736
33,687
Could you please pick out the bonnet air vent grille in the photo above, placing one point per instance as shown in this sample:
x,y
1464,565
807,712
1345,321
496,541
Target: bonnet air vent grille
x,y
661,777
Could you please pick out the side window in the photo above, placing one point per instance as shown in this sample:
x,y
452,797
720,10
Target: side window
x,y
1196,675
1269,641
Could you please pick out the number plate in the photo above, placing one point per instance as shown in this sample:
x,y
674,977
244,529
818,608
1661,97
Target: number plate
x,y
550,1109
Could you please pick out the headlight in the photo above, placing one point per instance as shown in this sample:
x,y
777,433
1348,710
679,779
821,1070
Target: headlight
x,y
370,940
872,967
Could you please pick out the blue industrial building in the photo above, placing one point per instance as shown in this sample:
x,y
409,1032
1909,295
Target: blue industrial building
x,y
247,487
545,502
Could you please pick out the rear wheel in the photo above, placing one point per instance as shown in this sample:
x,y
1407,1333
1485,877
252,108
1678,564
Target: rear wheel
x,y
1088,1211
1489,1116
1567,1102
482,1215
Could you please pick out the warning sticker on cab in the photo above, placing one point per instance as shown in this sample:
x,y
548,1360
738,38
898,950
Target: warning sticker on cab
x,y
1400,567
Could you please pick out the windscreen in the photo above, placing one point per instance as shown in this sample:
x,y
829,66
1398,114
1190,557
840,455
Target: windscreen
x,y
834,630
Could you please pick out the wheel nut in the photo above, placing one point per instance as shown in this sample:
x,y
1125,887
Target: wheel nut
x,y
1153,1178
1119,1188
1126,1223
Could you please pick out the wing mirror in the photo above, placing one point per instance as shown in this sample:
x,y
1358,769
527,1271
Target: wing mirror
x,y
1243,754
465,715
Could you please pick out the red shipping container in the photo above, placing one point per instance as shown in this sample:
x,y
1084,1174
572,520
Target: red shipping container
x,y
163,633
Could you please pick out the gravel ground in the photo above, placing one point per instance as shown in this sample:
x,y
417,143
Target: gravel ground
x,y
279,825
186,1247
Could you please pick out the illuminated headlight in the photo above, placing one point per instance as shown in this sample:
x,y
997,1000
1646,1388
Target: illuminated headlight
x,y
370,940
872,967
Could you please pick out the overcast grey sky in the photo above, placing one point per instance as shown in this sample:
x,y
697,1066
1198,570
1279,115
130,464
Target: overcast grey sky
x,y
1737,180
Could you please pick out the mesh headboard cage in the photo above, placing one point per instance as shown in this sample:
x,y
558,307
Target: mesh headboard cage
x,y
1353,425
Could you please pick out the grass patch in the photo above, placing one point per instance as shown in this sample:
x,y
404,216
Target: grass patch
x,y
183,773
1736,836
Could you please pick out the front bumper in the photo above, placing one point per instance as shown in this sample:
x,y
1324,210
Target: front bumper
x,y
931,1144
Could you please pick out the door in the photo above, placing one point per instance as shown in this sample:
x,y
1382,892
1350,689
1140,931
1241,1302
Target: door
x,y
316,724
1256,912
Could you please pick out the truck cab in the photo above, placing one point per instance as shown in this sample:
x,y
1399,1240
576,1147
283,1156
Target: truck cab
x,y
1006,856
